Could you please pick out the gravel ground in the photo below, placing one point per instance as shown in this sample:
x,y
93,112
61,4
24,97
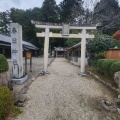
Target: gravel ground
x,y
64,95
37,66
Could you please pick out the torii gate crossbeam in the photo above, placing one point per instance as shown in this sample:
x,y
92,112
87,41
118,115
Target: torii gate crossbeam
x,y
47,34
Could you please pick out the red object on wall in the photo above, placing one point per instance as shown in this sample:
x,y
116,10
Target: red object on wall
x,y
116,35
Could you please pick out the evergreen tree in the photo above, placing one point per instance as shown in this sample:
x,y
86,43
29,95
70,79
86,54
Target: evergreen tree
x,y
5,22
24,18
71,10
36,14
49,11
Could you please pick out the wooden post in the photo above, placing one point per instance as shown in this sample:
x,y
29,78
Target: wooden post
x,y
25,65
31,64
3,50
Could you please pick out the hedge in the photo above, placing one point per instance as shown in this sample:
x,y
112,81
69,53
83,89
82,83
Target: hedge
x,y
3,64
99,65
106,64
115,67
6,102
93,61
101,55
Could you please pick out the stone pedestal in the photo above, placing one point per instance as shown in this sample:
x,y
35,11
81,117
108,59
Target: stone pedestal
x,y
19,81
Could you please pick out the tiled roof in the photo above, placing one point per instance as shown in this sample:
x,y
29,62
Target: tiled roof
x,y
75,46
7,39
29,44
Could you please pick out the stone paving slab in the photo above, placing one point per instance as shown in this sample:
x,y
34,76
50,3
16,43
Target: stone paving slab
x,y
64,95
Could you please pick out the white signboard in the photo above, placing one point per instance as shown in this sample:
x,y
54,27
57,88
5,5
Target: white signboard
x,y
65,29
16,50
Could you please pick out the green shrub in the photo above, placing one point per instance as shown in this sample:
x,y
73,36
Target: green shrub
x,y
106,64
114,68
101,55
3,64
93,61
99,65
6,102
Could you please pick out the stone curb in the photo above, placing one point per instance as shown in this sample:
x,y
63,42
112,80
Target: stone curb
x,y
51,62
103,82
73,63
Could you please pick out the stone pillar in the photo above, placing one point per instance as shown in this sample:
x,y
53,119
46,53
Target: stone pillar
x,y
83,52
56,53
16,50
46,48
67,54
63,54
17,54
72,56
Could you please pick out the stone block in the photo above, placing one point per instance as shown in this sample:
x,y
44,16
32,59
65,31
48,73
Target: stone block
x,y
117,79
5,80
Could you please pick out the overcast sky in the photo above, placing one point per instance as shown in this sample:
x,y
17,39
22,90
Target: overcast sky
x,y
25,4
21,4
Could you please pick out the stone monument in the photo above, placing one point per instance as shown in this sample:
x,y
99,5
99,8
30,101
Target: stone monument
x,y
17,54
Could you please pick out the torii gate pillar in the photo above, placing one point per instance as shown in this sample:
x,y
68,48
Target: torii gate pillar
x,y
46,48
83,52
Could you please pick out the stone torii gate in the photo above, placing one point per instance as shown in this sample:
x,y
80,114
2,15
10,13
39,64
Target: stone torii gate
x,y
65,34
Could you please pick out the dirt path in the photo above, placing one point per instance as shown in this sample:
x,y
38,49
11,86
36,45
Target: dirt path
x,y
64,95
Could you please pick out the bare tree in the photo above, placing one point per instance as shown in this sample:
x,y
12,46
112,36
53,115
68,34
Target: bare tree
x,y
86,18
106,12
